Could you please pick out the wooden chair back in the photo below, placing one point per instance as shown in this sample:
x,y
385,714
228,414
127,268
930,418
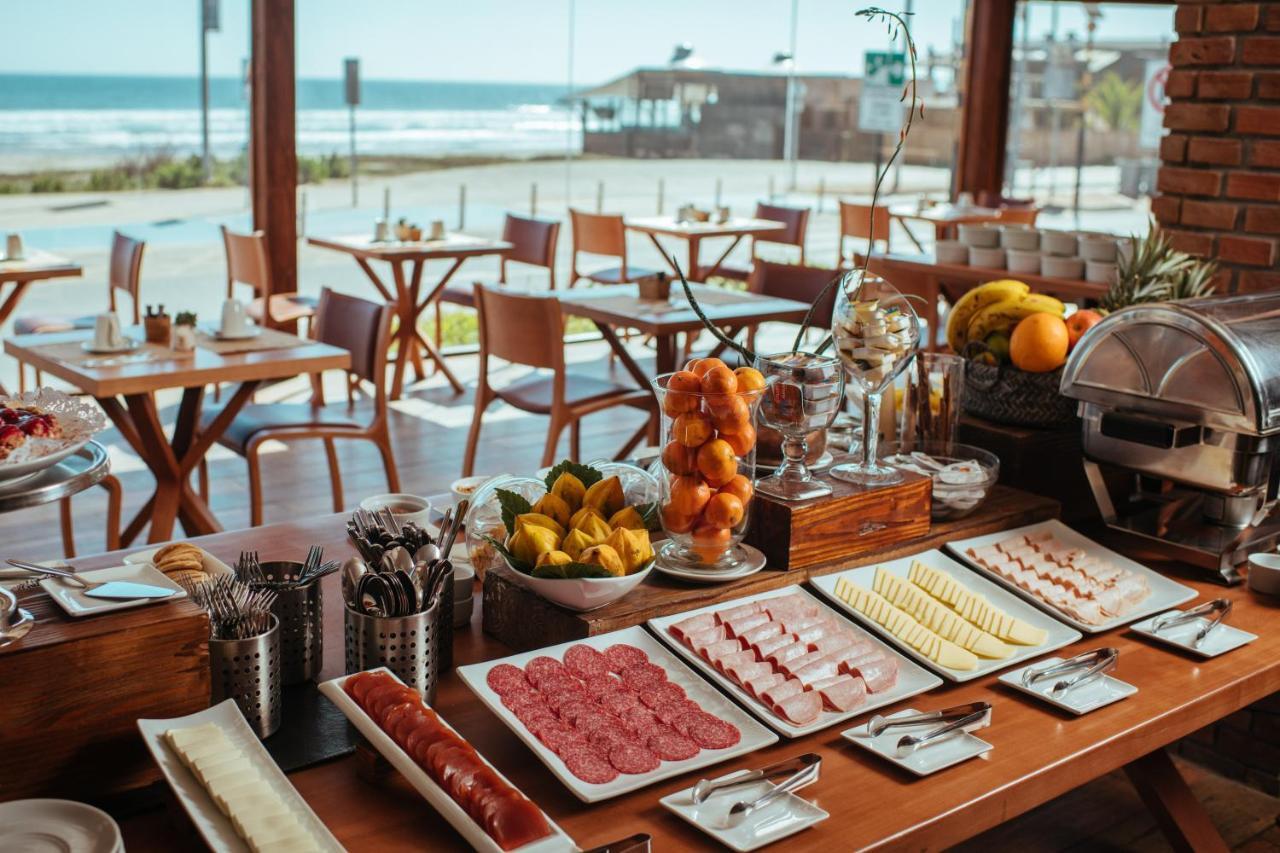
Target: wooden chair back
x,y
801,283
360,327
125,271
533,242
598,234
796,220
520,329
863,221
1019,215
246,261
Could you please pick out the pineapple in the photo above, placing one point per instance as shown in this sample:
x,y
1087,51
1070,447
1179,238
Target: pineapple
x,y
1155,272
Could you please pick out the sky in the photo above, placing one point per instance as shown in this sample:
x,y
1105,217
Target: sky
x,y
492,40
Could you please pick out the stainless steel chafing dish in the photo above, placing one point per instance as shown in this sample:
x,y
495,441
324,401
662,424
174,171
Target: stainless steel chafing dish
x,y
1186,398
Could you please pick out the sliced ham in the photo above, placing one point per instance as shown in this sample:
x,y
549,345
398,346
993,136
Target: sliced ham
x,y
712,651
842,694
791,624
786,653
791,667
816,631
878,673
737,612
697,639
739,626
693,624
833,642
757,686
726,662
778,692
793,602
800,709
747,672
760,632
826,666
764,648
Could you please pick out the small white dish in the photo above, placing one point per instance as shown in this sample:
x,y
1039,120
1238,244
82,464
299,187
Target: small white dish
x,y
929,758
1220,640
129,345
404,507
951,252
1264,573
1056,266
30,826
784,816
465,488
991,258
1059,243
249,332
753,562
1100,272
979,235
1096,247
73,600
211,565
1020,261
1022,238
1077,700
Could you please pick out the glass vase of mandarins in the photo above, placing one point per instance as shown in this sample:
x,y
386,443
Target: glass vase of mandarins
x,y
708,461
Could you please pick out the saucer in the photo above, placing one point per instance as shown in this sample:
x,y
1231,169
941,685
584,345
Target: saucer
x,y
784,816
129,345
752,561
1077,700
1220,640
251,331
930,758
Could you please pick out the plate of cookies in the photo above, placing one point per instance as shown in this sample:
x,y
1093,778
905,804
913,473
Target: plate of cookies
x,y
182,563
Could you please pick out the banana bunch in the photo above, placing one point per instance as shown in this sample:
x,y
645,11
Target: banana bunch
x,y
995,307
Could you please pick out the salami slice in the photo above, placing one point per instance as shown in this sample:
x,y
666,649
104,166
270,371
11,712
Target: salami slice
x,y
644,676
588,766
639,719
673,710
620,656
606,738
619,702
585,661
588,723
540,667
602,685
711,732
662,694
632,758
671,746
505,678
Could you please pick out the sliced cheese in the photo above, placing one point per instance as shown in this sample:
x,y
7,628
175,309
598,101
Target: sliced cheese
x,y
974,608
904,627
935,616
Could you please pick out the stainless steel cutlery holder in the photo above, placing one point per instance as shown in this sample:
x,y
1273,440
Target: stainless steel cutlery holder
x,y
409,646
248,671
300,610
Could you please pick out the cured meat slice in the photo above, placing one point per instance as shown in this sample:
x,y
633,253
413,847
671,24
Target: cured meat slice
x,y
764,648
672,711
792,624
505,678
734,659
718,650
640,719
878,673
603,685
793,603
662,694
774,695
823,667
711,732
801,708
761,683
621,656
632,758
742,673
834,642
699,639
843,694
815,632
585,661
620,701
358,685
737,612
760,632
671,746
787,653
606,738
540,667
588,766
791,667
643,676
693,624
739,626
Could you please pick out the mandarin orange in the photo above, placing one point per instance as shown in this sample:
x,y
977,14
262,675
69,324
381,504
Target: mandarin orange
x,y
742,441
692,429
723,510
689,495
717,462
679,459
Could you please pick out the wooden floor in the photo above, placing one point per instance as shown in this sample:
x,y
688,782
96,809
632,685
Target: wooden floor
x,y
429,432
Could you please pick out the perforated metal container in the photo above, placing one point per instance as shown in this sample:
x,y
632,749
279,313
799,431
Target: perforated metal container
x,y
301,613
248,671
406,645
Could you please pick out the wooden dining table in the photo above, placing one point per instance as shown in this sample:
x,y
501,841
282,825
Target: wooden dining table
x,y
35,265
1038,753
693,233
407,261
125,388
943,217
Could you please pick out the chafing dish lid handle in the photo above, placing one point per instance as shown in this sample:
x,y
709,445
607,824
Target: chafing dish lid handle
x,y
1150,432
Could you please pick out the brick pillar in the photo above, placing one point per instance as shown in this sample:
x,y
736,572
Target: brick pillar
x,y
1219,180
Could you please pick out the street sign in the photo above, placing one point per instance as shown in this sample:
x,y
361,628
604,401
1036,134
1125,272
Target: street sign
x,y
352,67
880,106
1151,127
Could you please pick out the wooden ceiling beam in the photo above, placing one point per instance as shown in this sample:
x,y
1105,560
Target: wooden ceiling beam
x,y
984,113
273,150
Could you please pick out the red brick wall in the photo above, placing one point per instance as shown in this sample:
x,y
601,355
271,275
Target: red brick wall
x,y
1219,183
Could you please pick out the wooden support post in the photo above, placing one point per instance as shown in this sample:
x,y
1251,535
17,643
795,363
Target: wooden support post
x,y
272,143
984,115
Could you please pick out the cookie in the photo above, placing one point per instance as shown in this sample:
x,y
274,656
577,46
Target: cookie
x,y
187,577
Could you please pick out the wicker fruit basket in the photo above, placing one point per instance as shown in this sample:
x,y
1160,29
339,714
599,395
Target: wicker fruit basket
x,y
1005,395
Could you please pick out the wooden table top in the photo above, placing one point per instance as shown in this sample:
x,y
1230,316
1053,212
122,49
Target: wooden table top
x,y
621,305
1038,752
735,227
198,368
944,214
964,272
36,265
452,246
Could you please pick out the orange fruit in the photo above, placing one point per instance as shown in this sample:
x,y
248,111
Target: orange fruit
x,y
701,365
710,542
719,379
729,413
740,487
723,510
689,494
741,441
674,522
692,429
682,393
716,461
684,380
679,459
749,379
1079,323
1039,343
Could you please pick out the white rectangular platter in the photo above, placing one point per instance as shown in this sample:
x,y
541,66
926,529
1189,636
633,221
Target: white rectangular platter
x,y
216,828
1059,635
754,735
1165,593
75,603
439,799
912,679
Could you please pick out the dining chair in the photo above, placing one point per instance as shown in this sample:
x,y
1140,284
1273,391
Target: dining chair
x,y
793,281
362,328
115,495
1018,215
795,222
533,243
527,330
247,264
862,221
124,273
602,234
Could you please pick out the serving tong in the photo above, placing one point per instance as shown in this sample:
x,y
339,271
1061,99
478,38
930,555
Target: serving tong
x,y
1092,665
961,719
1219,606
800,771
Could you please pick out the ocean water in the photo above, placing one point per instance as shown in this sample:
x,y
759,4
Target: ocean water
x,y
112,117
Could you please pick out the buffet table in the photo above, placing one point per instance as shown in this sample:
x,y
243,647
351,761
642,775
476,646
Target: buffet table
x,y
1038,753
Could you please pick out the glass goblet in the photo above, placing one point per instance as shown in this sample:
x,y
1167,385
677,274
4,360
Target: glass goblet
x,y
803,393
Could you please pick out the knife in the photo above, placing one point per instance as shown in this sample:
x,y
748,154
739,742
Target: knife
x,y
127,590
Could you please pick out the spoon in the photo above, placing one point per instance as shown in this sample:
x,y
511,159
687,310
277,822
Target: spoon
x,y
14,621
352,570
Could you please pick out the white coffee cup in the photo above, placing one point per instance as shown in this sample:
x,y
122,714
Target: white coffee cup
x,y
13,246
106,331
437,230
234,320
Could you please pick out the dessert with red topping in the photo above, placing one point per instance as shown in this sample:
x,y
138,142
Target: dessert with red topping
x,y
17,423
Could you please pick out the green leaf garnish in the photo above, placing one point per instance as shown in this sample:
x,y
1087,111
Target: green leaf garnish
x,y
588,475
512,504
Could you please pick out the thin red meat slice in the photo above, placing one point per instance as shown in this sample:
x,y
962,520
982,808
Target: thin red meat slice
x,y
619,702
672,711
739,626
589,723
746,672
764,648
361,683
693,624
670,746
800,709
720,649
516,822
621,656
540,667
643,676
842,693
738,612
602,685
711,732
632,759
879,673
760,632
505,678
588,766
584,661
662,694
758,685
639,718
778,692
726,662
